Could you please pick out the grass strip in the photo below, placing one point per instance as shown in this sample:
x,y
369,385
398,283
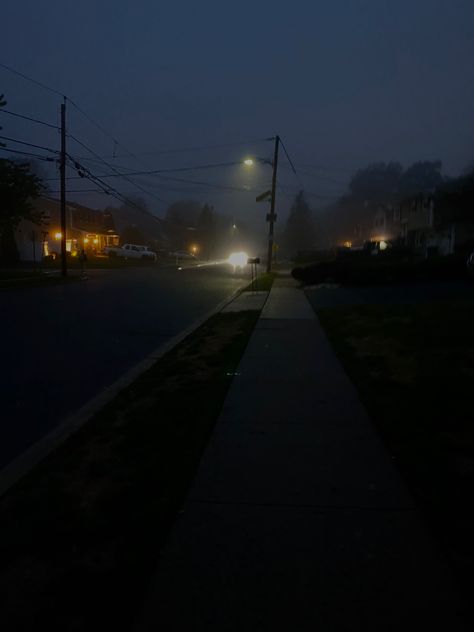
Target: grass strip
x,y
262,284
413,366
81,533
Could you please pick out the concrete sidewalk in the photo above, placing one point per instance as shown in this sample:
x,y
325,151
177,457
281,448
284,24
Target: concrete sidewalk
x,y
297,519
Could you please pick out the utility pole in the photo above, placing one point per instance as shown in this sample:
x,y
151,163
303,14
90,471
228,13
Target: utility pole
x,y
62,168
272,217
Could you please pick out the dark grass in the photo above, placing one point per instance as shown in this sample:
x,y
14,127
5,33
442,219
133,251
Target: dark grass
x,y
413,366
81,534
262,284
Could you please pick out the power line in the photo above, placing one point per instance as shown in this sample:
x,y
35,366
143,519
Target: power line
x,y
83,191
22,142
188,149
291,164
116,173
99,127
103,185
206,184
50,89
108,189
26,153
28,118
288,156
38,83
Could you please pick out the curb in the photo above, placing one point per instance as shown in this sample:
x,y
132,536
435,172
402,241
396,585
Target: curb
x,y
21,465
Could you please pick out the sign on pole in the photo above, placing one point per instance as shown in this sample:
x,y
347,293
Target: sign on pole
x,y
263,196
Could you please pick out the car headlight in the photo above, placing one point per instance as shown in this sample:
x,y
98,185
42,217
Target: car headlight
x,y
238,259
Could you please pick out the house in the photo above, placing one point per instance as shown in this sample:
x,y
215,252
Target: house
x,y
386,223
416,216
85,228
430,227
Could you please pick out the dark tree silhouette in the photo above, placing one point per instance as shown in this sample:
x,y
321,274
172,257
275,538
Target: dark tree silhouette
x,y
299,232
207,231
18,187
379,182
421,177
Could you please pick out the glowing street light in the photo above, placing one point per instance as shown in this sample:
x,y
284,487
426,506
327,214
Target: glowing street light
x,y
248,162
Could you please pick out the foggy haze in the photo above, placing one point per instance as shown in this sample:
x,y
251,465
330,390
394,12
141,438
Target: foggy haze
x,y
343,85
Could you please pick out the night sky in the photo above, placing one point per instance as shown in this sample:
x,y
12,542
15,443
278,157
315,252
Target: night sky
x,y
344,83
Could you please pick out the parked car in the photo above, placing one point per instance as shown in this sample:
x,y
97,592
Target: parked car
x,y
131,251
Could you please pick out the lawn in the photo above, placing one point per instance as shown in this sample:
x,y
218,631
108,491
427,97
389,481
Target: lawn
x,y
413,366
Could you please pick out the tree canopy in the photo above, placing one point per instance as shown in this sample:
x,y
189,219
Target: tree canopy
x,y
18,187
206,231
385,183
379,181
299,232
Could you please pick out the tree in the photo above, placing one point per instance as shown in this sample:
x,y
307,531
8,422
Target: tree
x,y
184,213
135,223
299,231
454,200
181,218
206,231
131,234
421,177
379,182
18,187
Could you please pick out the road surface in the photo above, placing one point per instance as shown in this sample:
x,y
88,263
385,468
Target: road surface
x,y
63,344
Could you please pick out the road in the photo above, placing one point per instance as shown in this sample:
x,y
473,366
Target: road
x,y
63,344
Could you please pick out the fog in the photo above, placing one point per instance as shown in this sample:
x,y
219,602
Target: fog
x,y
188,85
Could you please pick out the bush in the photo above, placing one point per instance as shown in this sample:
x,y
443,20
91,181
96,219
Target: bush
x,y
376,271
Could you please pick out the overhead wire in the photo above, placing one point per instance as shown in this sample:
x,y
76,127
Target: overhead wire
x,y
30,154
28,118
151,172
28,78
291,164
98,181
125,176
117,144
206,184
22,142
188,149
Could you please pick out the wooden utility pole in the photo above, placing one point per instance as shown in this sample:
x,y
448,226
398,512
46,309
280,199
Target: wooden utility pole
x,y
62,167
272,217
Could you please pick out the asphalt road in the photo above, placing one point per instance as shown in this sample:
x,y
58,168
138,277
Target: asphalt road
x,y
63,344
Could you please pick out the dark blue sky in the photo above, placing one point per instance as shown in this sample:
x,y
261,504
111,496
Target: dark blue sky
x,y
344,83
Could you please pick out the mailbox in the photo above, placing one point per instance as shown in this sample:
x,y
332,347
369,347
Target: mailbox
x,y
255,260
